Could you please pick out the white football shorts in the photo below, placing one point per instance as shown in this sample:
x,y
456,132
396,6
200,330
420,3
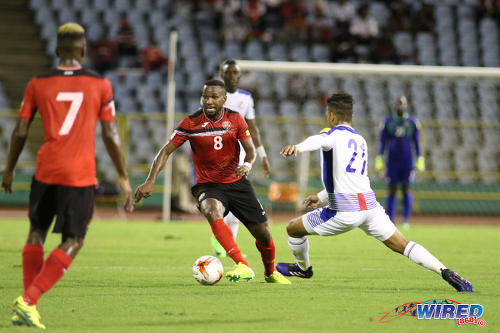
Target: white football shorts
x,y
328,222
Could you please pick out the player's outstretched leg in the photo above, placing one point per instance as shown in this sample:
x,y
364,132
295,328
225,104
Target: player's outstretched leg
x,y
27,313
293,269
456,281
419,255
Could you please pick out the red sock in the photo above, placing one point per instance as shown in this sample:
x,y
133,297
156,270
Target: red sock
x,y
267,252
52,271
32,263
224,235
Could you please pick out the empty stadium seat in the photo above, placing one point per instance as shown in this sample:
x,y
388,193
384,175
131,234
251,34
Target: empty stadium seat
x,y
265,107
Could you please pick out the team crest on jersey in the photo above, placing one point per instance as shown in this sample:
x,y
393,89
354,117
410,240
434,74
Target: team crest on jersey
x,y
226,124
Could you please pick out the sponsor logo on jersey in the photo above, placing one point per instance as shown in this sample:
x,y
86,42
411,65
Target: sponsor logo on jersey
x,y
226,124
438,309
205,124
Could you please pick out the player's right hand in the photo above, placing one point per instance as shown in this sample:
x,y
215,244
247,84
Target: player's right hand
x,y
312,201
289,150
143,191
379,163
7,179
127,193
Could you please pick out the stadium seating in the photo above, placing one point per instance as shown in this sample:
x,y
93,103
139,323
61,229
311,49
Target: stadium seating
x,y
458,40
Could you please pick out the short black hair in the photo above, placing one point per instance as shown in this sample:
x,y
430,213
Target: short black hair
x,y
215,82
341,103
228,62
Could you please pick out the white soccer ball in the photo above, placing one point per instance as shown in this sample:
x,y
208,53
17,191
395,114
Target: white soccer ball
x,y
207,270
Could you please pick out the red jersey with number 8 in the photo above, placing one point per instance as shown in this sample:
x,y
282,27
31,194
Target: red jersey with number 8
x,y
70,100
215,146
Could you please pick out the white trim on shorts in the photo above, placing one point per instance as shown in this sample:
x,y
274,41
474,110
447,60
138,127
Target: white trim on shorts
x,y
327,222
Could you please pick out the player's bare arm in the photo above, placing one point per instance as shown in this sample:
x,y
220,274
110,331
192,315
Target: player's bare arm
x,y
111,140
146,190
18,139
244,169
312,143
255,133
289,150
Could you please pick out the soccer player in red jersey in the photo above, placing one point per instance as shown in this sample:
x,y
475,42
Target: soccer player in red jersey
x,y
222,186
70,100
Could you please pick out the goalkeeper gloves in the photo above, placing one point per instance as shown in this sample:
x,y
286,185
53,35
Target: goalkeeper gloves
x,y
420,164
379,163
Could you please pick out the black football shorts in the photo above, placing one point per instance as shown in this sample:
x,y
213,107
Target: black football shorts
x,y
73,207
238,198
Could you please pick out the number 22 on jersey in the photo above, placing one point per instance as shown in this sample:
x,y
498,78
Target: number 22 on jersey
x,y
76,99
352,143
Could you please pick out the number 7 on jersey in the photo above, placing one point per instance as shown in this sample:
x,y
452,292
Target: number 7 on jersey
x,y
76,99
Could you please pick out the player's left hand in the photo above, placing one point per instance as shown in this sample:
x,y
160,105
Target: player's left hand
x,y
289,151
420,164
266,166
242,170
7,179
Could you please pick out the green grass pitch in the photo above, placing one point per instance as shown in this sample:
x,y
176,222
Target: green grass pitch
x,y
136,277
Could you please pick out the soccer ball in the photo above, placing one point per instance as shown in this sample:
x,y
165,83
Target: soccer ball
x,y
207,270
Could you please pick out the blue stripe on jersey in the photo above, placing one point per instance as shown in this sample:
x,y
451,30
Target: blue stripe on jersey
x,y
328,170
345,128
329,130
244,92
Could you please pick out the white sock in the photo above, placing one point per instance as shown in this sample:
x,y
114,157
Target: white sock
x,y
233,223
419,254
300,249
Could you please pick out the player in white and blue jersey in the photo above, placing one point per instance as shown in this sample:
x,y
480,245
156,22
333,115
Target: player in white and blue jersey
x,y
350,200
241,101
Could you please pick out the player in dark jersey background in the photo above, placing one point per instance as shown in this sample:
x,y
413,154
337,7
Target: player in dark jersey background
x,y
214,133
399,134
70,100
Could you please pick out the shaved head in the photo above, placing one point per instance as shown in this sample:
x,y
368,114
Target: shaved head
x,y
401,105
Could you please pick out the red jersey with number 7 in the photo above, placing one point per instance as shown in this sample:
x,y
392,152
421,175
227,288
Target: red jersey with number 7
x,y
70,100
215,147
